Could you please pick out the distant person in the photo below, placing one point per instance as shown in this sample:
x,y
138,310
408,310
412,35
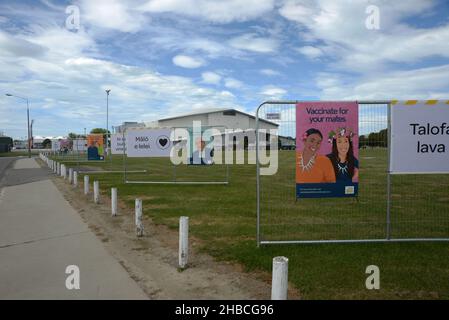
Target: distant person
x,y
346,166
312,167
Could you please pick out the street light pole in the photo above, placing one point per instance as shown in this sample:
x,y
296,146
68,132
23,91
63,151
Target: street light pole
x,y
107,123
28,121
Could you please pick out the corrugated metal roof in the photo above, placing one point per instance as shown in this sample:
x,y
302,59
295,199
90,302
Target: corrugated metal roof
x,y
214,110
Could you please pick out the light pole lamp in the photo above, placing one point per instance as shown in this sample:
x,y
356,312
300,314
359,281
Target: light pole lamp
x,y
28,120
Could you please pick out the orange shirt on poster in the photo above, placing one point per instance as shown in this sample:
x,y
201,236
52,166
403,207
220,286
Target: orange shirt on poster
x,y
321,172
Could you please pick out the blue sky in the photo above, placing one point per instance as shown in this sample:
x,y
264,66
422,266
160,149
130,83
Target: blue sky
x,y
166,57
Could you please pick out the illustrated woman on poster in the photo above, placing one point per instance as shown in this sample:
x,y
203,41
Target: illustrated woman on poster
x,y
312,167
346,166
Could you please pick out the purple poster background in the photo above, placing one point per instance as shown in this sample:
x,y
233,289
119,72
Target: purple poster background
x,y
327,116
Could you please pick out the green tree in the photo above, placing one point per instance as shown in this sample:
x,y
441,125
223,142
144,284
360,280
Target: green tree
x,y
72,135
46,144
99,130
363,141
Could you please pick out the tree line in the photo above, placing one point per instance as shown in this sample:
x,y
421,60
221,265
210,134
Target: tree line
x,y
374,139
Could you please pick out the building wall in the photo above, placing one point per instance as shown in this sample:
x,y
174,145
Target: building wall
x,y
237,121
262,124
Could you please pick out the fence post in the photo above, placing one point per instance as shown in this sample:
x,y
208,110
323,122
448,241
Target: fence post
x,y
139,224
279,281
86,185
114,202
183,241
70,175
97,191
63,171
75,179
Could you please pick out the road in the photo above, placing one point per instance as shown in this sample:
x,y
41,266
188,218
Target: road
x,y
41,235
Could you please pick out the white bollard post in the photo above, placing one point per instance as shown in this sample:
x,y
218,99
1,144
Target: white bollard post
x,y
70,175
139,224
57,168
86,185
63,171
97,192
183,241
114,202
279,281
75,179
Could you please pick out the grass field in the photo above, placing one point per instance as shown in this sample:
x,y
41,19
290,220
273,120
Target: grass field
x,y
223,217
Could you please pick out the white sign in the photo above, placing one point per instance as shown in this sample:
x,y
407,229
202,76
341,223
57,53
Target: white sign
x,y
55,145
148,143
118,143
420,137
273,116
79,145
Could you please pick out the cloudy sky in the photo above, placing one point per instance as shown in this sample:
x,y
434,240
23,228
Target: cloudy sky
x,y
166,57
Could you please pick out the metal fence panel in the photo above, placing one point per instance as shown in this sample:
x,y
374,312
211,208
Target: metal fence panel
x,y
388,207
154,170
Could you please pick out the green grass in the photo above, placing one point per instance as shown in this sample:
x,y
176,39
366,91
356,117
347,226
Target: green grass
x,y
223,217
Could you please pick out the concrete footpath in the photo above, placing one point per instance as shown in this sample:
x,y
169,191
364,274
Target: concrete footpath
x,y
41,234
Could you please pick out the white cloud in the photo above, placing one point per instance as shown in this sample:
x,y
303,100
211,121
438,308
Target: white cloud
x,y
232,83
251,42
113,14
270,72
212,10
310,52
17,47
337,29
187,62
62,43
423,83
211,77
66,91
273,92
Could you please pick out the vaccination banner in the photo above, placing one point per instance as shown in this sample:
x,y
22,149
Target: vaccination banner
x,y
148,143
95,147
327,154
118,144
419,137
